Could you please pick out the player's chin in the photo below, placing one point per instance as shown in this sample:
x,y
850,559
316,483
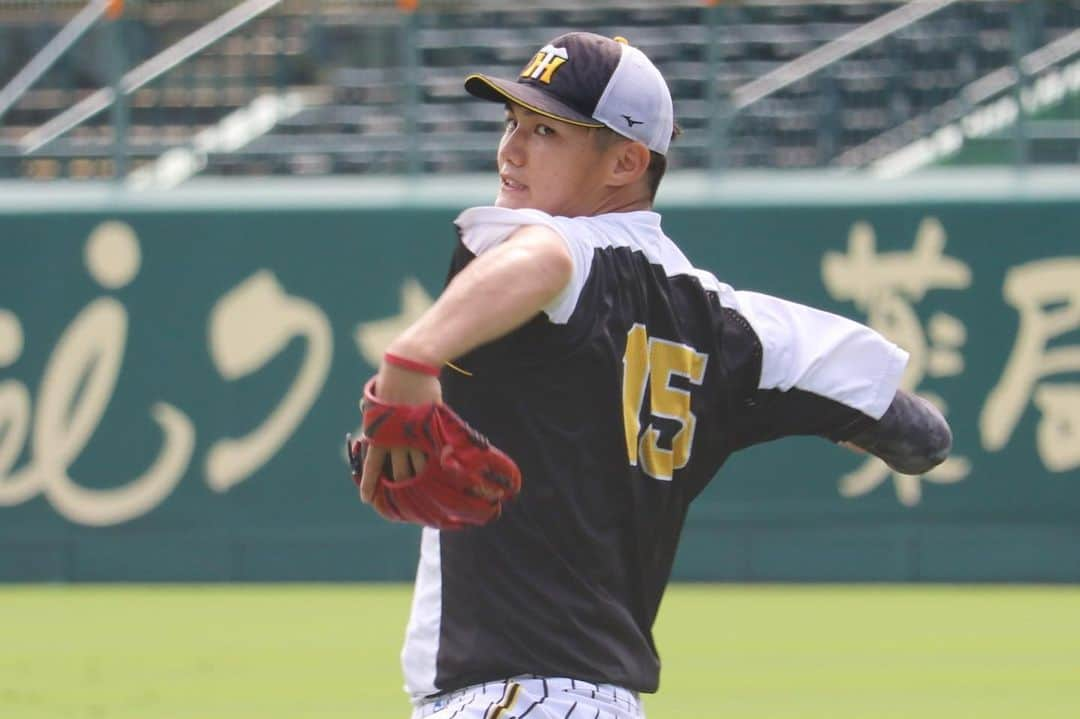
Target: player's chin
x,y
512,199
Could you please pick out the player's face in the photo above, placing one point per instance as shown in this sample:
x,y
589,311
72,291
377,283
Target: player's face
x,y
549,165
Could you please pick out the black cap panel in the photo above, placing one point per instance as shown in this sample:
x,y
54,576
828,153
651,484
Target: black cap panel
x,y
528,96
564,80
575,67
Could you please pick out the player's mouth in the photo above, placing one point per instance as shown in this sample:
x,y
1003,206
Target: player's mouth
x,y
511,185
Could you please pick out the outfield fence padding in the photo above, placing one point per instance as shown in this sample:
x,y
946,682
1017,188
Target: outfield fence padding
x,y
177,375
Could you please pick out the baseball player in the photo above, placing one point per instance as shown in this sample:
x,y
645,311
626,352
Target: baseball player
x,y
617,376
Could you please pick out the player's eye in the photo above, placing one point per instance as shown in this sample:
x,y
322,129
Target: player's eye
x,y
544,130
509,123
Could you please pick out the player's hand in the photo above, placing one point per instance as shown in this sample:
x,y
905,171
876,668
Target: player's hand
x,y
465,480
398,386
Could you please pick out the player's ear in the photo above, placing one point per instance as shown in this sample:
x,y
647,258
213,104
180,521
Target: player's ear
x,y
629,163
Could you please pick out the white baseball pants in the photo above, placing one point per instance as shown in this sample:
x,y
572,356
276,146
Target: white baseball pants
x,y
530,697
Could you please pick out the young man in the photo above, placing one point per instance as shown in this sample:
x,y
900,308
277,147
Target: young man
x,y
581,341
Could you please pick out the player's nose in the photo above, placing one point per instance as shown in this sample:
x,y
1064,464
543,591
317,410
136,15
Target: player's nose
x,y
512,149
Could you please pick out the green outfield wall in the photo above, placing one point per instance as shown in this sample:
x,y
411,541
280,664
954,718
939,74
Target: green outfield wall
x,y
178,371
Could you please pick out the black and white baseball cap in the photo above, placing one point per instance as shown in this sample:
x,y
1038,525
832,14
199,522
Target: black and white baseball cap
x,y
592,81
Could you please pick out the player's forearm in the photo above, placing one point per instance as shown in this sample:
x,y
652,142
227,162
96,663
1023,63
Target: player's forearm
x,y
498,292
912,437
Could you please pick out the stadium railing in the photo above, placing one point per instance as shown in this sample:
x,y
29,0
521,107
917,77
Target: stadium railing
x,y
337,86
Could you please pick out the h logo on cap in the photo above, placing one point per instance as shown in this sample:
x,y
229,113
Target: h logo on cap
x,y
545,63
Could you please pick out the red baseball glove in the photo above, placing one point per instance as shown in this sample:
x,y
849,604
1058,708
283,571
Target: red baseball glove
x,y
465,481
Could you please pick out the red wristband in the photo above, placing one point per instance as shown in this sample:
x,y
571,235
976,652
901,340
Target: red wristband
x,y
411,365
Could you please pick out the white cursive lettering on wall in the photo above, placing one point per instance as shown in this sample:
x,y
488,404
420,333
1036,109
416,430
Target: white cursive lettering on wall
x,y
14,415
248,327
76,387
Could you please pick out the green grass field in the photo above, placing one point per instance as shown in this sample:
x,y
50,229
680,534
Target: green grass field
x,y
276,652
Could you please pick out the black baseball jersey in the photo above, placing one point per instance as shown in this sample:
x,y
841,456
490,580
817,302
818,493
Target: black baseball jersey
x,y
620,402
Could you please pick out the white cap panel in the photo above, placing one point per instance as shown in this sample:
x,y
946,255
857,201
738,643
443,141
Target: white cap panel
x,y
637,102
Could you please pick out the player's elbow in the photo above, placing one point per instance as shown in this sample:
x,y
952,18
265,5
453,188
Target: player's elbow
x,y
925,436
928,451
940,445
912,437
937,438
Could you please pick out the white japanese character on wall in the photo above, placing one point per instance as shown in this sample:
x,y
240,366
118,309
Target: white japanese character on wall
x,y
1046,293
887,286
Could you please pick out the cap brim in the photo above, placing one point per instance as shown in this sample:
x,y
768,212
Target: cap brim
x,y
528,96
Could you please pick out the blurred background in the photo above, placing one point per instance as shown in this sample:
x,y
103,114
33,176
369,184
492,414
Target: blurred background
x,y
341,87
215,215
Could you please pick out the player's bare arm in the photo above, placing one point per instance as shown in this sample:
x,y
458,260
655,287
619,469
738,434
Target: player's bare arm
x,y
499,291
912,437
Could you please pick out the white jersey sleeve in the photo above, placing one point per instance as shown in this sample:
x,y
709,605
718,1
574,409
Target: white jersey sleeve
x,y
485,227
823,353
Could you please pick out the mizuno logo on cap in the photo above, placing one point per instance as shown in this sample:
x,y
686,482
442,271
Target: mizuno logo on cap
x,y
630,122
545,63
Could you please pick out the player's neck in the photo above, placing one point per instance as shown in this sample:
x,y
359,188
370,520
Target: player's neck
x,y
623,202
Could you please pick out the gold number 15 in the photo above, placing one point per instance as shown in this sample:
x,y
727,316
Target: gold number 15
x,y
651,363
